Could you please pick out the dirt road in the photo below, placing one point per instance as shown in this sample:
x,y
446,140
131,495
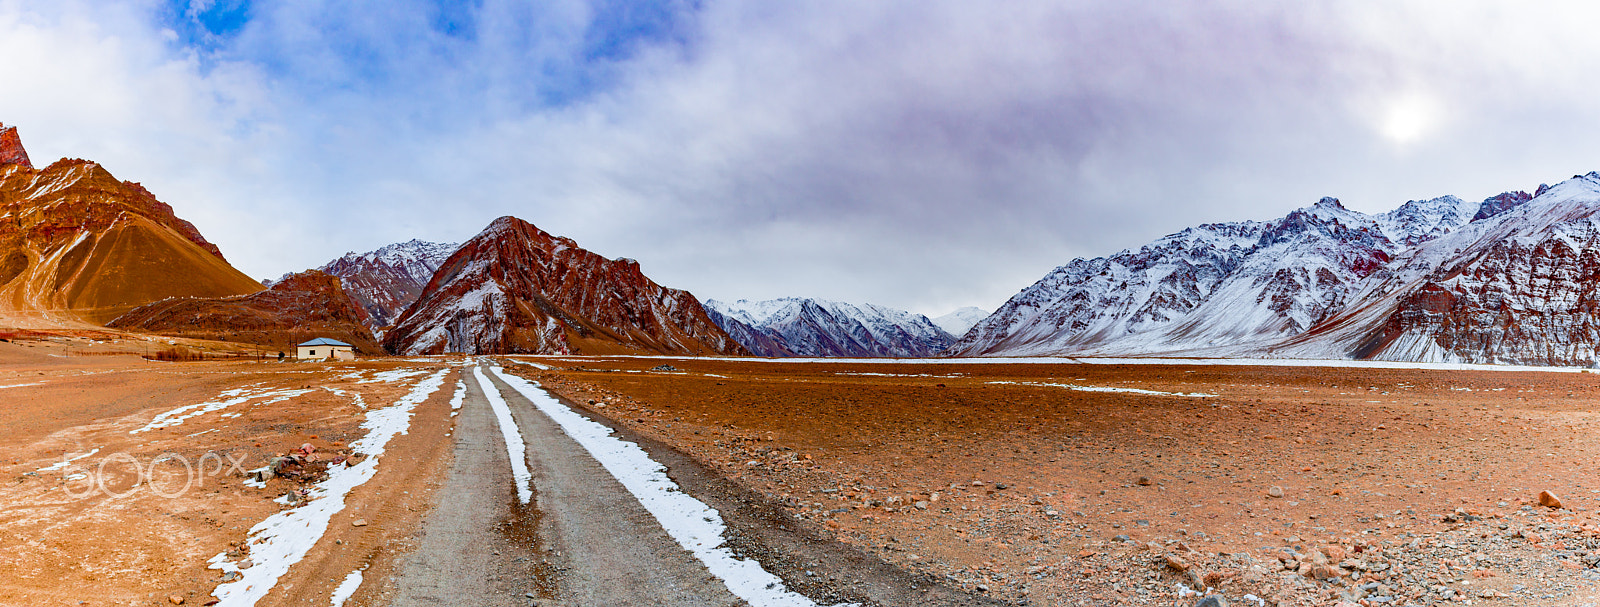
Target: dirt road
x,y
586,539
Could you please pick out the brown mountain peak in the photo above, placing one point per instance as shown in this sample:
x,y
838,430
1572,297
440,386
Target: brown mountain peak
x,y
11,150
517,289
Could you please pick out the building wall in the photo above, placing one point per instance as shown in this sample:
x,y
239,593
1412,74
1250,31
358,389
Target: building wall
x,y
324,352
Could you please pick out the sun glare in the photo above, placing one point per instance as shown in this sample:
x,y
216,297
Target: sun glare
x,y
1407,119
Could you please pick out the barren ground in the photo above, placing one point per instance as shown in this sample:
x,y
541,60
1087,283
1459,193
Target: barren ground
x,y
1025,488
1011,480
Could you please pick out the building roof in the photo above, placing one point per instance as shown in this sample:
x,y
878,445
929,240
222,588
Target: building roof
x,y
323,341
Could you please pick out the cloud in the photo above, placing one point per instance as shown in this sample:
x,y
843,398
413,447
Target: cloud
x,y
925,155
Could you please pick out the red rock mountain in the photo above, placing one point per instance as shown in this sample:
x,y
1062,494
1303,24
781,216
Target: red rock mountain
x,y
11,150
516,289
297,308
77,245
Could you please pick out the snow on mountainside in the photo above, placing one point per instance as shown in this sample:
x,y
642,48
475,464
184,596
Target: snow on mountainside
x,y
813,327
1238,289
957,323
514,288
386,281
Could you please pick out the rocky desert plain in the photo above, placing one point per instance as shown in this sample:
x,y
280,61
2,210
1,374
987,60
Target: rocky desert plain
x,y
1040,482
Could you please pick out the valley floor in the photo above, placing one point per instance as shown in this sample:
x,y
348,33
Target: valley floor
x,y
865,481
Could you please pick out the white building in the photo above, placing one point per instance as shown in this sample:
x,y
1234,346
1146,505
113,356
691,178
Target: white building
x,y
323,348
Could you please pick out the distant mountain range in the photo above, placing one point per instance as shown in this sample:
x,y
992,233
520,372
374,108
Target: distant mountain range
x,y
1511,279
814,327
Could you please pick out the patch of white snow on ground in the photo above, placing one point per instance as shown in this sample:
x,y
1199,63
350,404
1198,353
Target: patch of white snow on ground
x,y
353,396
1106,389
347,588
459,397
695,526
285,538
177,416
37,383
534,365
515,448
63,463
392,375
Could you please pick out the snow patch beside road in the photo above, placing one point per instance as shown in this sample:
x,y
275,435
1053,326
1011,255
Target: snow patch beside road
x,y
695,526
285,538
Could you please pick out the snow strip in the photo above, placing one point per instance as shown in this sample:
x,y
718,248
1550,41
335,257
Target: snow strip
x,y
695,526
515,448
346,588
37,383
392,375
460,395
285,538
1105,389
534,365
63,463
353,396
177,416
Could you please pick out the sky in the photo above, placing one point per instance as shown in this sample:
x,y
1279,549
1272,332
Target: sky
x,y
918,154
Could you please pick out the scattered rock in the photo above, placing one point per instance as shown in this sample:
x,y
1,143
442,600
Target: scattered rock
x,y
231,576
1176,563
1549,500
1144,481
1215,600
175,599
246,564
1275,491
360,522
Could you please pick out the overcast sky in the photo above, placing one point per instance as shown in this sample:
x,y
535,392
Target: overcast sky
x,y
921,154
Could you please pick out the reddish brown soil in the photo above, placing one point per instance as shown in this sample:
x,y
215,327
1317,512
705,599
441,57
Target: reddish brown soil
x,y
1362,457
140,547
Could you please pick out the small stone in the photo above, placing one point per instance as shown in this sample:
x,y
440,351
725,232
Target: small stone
x,y
1000,486
1549,500
1215,600
983,587
231,576
921,505
246,564
175,599
1275,491
1121,538
360,522
1144,481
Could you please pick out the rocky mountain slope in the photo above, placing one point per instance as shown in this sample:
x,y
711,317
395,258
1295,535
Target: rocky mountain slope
x,y
812,327
387,281
1511,279
516,289
11,150
78,245
298,308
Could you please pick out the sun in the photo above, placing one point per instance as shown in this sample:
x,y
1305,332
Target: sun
x,y
1408,118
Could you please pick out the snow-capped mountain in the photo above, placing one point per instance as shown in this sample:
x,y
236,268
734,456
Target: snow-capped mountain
x,y
814,327
957,323
1510,279
386,281
516,289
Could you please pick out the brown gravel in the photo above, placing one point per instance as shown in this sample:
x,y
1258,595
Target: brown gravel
x,y
983,474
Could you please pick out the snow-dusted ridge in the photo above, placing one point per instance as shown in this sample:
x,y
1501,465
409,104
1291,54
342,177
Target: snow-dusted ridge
x,y
813,327
1507,280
